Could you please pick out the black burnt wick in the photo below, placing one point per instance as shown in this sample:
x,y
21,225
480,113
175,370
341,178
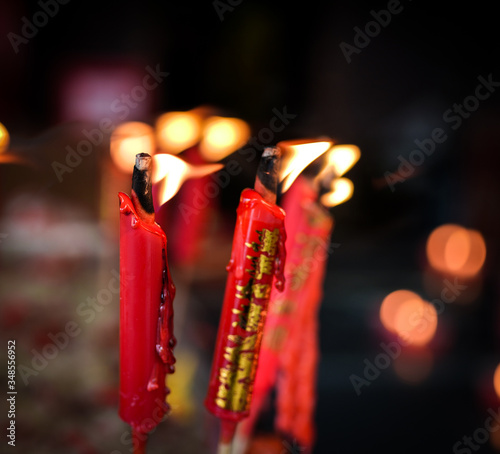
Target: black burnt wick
x,y
141,182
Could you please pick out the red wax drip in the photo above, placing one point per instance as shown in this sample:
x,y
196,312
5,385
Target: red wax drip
x,y
146,320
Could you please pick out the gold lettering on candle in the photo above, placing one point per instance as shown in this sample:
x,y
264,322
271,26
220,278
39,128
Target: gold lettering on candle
x,y
265,265
261,290
270,241
253,317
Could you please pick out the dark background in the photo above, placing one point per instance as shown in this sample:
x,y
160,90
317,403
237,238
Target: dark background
x,y
266,55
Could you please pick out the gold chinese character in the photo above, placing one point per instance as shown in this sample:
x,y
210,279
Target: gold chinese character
x,y
253,317
261,290
270,241
264,266
249,342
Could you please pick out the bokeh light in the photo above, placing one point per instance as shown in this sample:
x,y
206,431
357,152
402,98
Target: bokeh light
x,y
178,131
407,315
127,140
496,380
4,138
222,136
455,250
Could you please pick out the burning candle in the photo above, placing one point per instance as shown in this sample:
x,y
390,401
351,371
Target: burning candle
x,y
290,343
146,310
257,259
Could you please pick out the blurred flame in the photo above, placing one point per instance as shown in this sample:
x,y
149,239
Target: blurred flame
x,y
222,136
342,190
297,155
456,250
173,171
414,320
178,131
4,138
341,158
127,140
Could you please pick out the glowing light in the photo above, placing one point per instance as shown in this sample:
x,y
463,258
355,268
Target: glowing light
x,y
297,155
222,136
414,320
496,380
342,190
4,138
171,171
127,140
456,250
178,131
342,158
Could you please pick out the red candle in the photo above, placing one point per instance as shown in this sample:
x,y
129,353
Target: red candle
x,y
146,311
257,258
290,340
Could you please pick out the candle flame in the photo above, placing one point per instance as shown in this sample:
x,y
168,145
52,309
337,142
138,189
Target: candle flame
x,y
222,136
171,172
127,140
297,155
341,191
4,138
178,131
341,158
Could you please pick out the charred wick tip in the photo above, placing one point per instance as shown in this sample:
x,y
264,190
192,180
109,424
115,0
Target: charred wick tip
x,y
267,172
141,181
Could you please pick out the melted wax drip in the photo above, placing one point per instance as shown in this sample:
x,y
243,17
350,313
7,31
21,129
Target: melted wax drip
x,y
165,340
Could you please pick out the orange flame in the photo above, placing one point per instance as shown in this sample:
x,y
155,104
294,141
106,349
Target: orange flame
x,y
178,131
127,140
340,159
297,155
171,171
341,191
222,136
4,138
453,249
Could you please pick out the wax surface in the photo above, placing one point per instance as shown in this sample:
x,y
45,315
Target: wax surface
x,y
257,259
146,320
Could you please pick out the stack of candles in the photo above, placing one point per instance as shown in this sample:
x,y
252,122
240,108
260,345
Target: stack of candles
x,y
257,264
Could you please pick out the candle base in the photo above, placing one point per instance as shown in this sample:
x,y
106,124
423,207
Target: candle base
x,y
140,441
